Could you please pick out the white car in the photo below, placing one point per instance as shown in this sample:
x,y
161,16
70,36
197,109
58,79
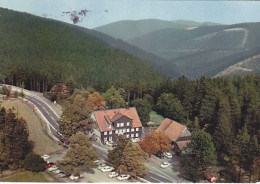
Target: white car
x,y
109,143
107,169
53,168
57,171
123,177
113,174
97,162
45,157
72,177
61,175
167,154
165,164
100,166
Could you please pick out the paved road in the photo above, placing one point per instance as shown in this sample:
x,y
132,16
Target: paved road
x,y
47,112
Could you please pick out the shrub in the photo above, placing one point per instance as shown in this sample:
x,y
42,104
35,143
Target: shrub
x,y
34,163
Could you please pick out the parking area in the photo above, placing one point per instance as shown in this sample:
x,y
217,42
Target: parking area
x,y
97,176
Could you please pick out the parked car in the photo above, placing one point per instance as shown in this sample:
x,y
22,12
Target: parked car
x,y
49,165
98,162
113,174
165,164
45,157
72,177
123,177
100,166
109,143
211,177
53,168
107,169
159,155
57,171
61,175
167,154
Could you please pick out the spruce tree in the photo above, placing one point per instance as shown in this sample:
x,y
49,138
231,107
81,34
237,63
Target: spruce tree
x,y
199,155
223,133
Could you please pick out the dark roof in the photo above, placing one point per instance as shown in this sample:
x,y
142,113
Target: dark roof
x,y
105,118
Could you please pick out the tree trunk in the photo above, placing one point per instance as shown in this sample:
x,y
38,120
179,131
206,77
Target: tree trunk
x,y
128,97
250,175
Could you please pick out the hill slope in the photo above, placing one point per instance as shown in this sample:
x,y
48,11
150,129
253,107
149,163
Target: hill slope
x,y
38,52
205,50
169,69
128,29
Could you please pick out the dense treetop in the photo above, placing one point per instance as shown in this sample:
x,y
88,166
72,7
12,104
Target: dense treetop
x,y
37,52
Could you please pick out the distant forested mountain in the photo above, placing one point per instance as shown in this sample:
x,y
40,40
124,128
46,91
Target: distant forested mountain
x,y
196,48
128,29
206,50
38,52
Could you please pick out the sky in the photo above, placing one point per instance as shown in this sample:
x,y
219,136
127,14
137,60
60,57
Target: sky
x,y
107,11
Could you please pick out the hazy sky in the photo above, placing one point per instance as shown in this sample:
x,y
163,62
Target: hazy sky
x,y
107,11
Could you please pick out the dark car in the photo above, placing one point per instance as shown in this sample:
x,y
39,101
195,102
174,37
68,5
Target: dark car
x,y
159,155
49,165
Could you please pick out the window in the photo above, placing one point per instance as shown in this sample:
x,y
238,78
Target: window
x,y
122,124
124,130
110,138
127,130
132,135
136,135
120,130
128,123
110,132
105,133
105,139
132,129
137,129
116,131
127,135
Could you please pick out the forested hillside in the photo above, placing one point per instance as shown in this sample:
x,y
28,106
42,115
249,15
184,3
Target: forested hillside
x,y
37,53
128,29
168,69
206,50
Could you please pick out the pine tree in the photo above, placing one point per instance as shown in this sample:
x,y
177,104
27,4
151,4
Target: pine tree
x,y
235,111
143,109
223,133
240,150
14,144
199,155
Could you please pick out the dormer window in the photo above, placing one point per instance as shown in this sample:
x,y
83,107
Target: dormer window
x,y
109,126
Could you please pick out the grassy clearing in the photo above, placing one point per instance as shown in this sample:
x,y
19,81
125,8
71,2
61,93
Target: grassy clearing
x,y
154,117
43,143
26,177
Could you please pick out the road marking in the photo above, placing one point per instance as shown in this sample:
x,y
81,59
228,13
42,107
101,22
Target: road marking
x,y
155,179
170,179
165,175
